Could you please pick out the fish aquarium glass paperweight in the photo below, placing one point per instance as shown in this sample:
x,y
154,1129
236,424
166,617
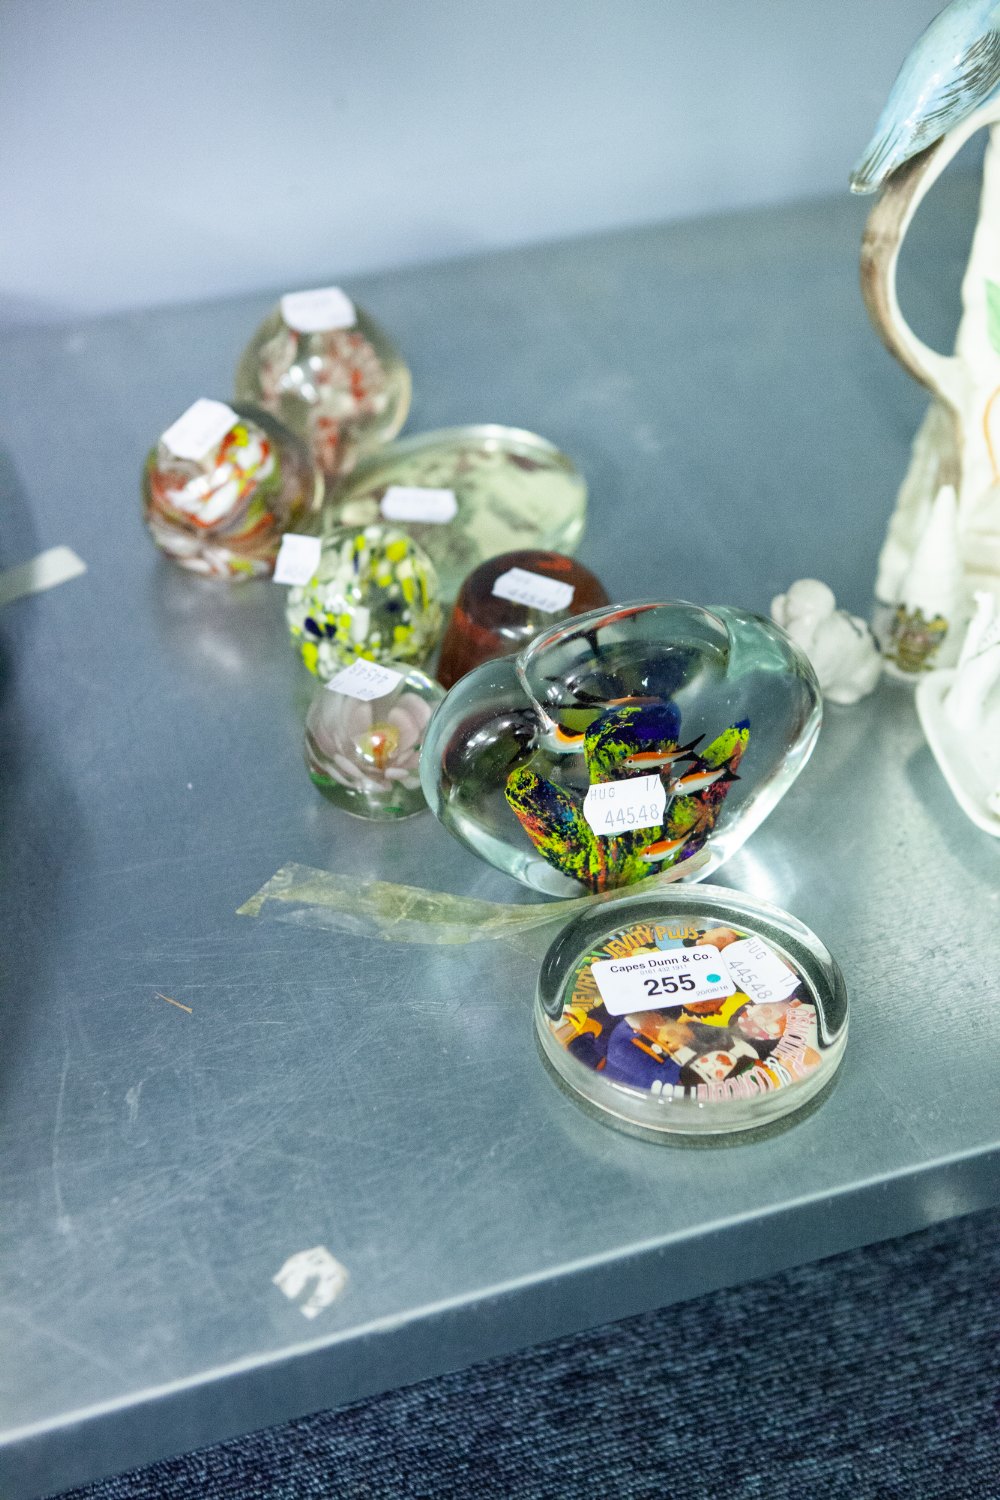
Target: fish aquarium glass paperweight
x,y
330,373
364,732
468,493
629,741
222,486
691,1011
374,594
506,601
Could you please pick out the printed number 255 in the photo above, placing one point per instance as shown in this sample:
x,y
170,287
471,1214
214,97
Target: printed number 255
x,y
669,985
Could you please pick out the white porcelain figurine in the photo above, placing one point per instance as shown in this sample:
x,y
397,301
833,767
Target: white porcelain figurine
x,y
959,710
842,649
947,90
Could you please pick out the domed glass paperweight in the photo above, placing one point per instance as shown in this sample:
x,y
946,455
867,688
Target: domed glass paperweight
x,y
506,601
374,594
364,731
221,487
330,373
695,1011
622,743
468,493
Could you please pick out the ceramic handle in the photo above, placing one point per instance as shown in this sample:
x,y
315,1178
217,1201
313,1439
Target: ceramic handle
x,y
885,231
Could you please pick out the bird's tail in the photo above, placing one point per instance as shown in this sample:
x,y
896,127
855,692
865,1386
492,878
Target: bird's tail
x,y
884,154
889,147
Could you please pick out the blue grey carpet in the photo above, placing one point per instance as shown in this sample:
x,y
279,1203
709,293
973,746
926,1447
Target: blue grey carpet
x,y
871,1376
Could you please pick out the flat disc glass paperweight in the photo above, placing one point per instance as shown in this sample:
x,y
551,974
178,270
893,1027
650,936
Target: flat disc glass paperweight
x,y
692,1011
466,494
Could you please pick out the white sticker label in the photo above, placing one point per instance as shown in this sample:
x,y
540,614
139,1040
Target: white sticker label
x,y
402,502
318,311
758,971
298,558
656,981
612,807
365,680
534,590
200,429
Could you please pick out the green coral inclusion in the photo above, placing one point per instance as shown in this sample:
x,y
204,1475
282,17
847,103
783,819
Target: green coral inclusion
x,y
696,780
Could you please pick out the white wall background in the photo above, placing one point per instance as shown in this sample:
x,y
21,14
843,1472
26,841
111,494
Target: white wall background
x,y
162,150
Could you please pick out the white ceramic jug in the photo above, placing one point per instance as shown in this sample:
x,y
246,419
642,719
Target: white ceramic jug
x,y
937,552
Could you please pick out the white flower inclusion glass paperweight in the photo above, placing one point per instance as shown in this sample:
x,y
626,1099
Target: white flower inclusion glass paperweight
x,y
362,751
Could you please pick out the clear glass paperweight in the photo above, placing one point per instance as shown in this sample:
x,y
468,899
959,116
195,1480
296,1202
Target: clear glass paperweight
x,y
468,493
693,1011
364,732
221,487
330,373
374,595
625,742
506,601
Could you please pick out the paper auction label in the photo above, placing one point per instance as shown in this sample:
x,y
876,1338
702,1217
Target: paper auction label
x,y
656,981
403,502
758,970
298,558
534,590
319,310
612,807
365,680
200,429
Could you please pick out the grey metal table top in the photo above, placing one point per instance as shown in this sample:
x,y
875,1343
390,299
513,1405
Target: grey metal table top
x,y
740,427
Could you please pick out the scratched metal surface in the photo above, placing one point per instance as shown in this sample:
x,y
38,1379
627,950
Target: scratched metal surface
x,y
740,427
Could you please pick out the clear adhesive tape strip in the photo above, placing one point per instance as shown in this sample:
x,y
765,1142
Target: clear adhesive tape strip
x,y
57,565
410,914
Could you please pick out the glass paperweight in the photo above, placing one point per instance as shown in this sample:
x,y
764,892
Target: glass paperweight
x,y
626,742
364,731
467,493
221,487
506,601
694,1011
374,595
330,373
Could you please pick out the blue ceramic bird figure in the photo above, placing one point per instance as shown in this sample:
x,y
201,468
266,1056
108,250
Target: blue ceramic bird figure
x,y
953,69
